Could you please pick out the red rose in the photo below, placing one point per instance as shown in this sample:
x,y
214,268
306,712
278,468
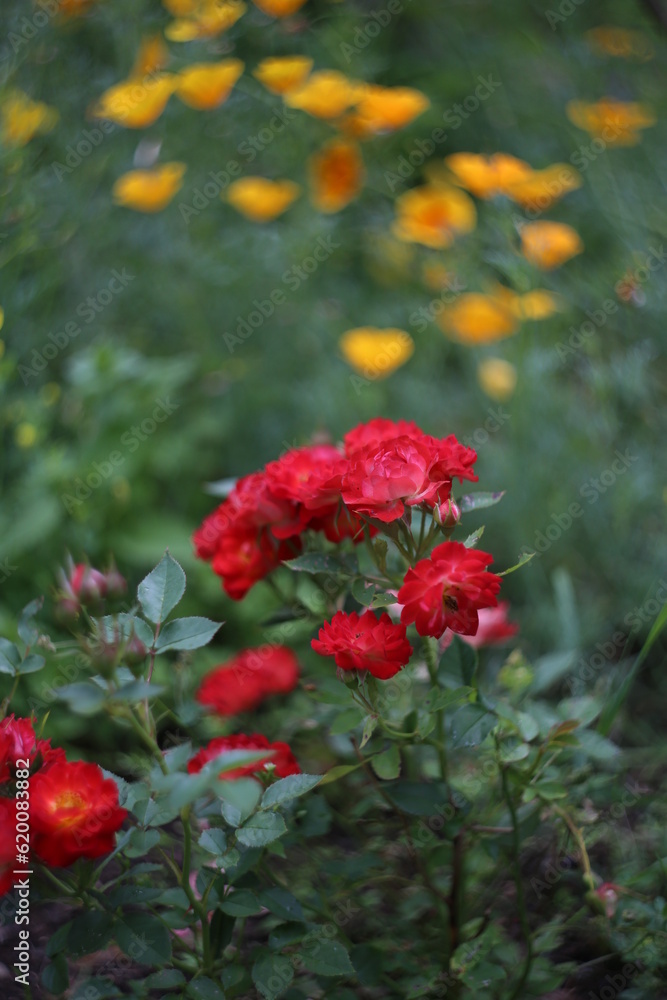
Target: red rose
x,y
281,757
375,432
74,813
448,589
18,742
364,642
246,680
8,850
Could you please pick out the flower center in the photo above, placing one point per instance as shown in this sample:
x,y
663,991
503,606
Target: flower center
x,y
70,800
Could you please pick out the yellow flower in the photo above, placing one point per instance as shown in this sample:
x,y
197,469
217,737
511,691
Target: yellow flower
x,y
25,435
433,216
384,109
50,393
436,276
23,118
152,56
547,245
279,8
538,304
74,8
149,190
208,19
539,189
280,74
208,85
497,378
326,94
376,353
475,318
260,199
136,104
616,123
620,42
2,317
487,176
336,175
182,8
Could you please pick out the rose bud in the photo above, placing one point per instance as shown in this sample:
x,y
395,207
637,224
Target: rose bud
x,y
134,654
447,514
116,584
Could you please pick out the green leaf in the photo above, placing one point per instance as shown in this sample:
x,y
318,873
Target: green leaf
x,y
471,541
55,977
144,938
387,765
363,591
326,958
141,842
318,562
549,790
369,728
83,697
383,600
458,666
471,725
10,657
347,720
281,903
125,625
339,772
272,974
162,589
525,558
261,829
164,979
88,933
31,664
243,794
437,698
214,841
289,788
137,691
418,798
28,632
186,633
478,501
241,903
203,988
550,668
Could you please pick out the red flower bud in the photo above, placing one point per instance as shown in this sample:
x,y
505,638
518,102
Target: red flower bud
x,y
448,514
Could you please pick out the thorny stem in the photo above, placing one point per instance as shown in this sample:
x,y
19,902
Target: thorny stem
x,y
521,899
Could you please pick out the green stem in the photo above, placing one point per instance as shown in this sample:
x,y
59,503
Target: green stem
x,y
8,700
430,648
197,908
518,881
147,738
589,878
150,725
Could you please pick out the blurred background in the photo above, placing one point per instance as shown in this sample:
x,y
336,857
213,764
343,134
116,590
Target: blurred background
x,y
161,302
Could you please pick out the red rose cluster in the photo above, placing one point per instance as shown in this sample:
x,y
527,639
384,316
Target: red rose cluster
x,y
248,678
364,642
71,808
382,467
278,754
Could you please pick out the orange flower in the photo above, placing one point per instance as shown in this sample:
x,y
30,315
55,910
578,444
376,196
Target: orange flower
x,y
487,176
23,118
616,123
149,190
620,42
279,8
281,74
375,353
433,216
260,199
547,245
206,19
538,304
336,175
326,94
208,85
475,318
384,109
136,104
539,189
74,8
497,378
152,56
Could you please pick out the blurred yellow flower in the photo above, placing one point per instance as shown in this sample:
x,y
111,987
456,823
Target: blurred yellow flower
x,y
487,176
433,216
435,275
74,8
279,8
205,19
616,123
50,393
153,55
25,435
2,317
497,378
475,318
22,118
182,8
376,353
280,74
538,304
325,94
539,189
136,104
384,109
621,42
149,190
208,85
2,349
547,245
260,199
336,175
